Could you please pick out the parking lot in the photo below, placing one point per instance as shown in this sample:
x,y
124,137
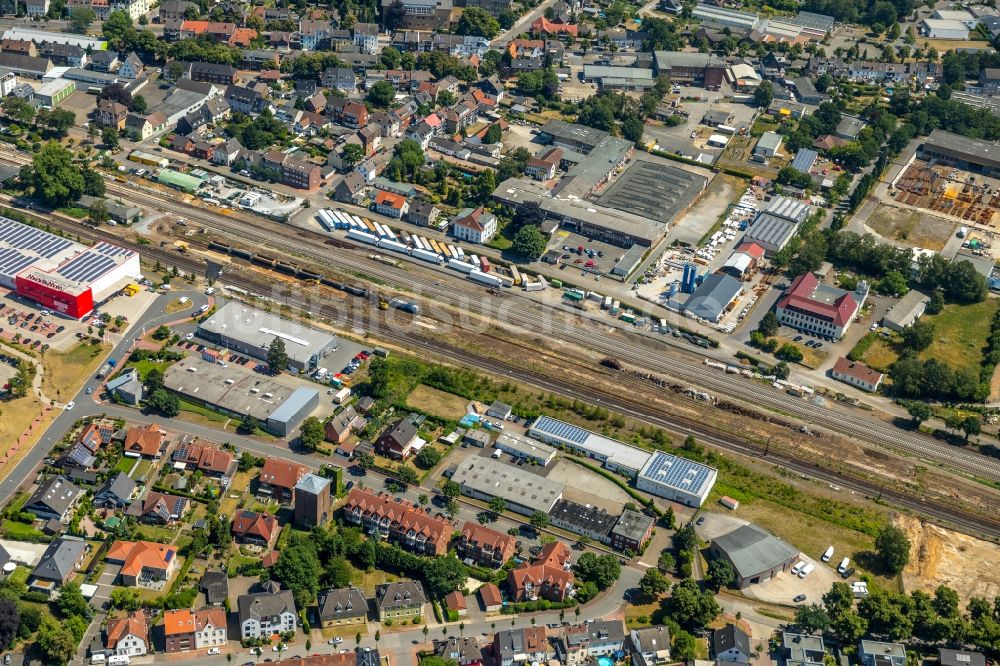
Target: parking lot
x,y
596,255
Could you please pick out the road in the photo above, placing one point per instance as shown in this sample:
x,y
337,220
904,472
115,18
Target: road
x,y
522,25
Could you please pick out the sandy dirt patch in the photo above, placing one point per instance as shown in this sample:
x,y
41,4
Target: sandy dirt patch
x,y
944,557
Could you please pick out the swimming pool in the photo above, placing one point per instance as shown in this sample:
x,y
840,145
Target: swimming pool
x,y
604,661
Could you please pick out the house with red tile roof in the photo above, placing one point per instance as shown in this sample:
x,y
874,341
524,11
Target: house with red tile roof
x,y
391,204
258,529
278,478
210,628
543,26
178,630
455,603
128,635
856,374
485,546
492,600
143,442
818,309
547,577
211,460
144,563
401,522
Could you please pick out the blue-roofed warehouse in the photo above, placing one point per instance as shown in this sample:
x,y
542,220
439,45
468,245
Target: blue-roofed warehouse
x,y
804,160
676,479
292,411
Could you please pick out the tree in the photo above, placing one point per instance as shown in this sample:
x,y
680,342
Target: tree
x,y
892,284
971,425
124,598
497,505
529,243
248,425
493,135
80,19
59,121
353,153
893,549
277,357
10,622
539,520
382,94
165,403
54,176
919,412
720,574
110,138
406,474
789,352
98,212
632,129
764,94
71,602
781,370
312,433
139,105
55,640
602,570
161,333
769,324
685,646
479,22
936,303
451,489
298,569
812,618
689,606
653,584
427,458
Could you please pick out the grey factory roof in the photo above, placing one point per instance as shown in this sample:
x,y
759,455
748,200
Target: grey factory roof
x,y
983,265
752,550
717,117
496,479
790,209
678,473
849,127
584,519
902,311
947,657
599,446
712,297
667,59
769,141
59,559
811,20
233,388
654,189
632,525
621,73
256,328
804,160
586,137
592,168
265,604
770,231
978,151
883,648
312,484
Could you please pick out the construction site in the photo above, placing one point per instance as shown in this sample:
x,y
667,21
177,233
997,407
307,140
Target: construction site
x,y
945,190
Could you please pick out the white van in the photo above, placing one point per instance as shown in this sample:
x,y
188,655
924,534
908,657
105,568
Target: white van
x,y
844,563
806,570
827,554
497,453
119,660
797,568
97,658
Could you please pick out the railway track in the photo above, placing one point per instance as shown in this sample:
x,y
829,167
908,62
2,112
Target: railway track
x,y
958,518
312,246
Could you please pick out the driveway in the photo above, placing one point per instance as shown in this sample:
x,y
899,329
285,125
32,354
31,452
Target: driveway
x,y
105,583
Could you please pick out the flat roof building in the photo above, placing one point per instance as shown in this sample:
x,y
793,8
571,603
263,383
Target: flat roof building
x,y
770,232
789,209
583,519
525,447
277,403
756,556
976,155
615,455
678,479
906,310
485,478
768,145
579,138
250,331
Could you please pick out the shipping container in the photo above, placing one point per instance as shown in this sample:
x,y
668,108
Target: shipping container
x,y
556,284
390,233
474,260
606,305
573,295
628,317
534,286
406,238
485,278
663,326
725,129
394,246
615,306
729,503
426,255
362,237
372,229
323,221
484,264
340,396
461,252
454,252
516,275
460,266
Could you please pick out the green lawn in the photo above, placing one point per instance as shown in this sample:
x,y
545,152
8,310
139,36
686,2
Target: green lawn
x,y
236,561
124,464
142,469
960,333
20,575
157,534
203,411
146,365
18,502
21,532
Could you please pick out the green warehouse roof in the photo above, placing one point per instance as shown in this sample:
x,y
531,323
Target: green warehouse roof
x,y
179,180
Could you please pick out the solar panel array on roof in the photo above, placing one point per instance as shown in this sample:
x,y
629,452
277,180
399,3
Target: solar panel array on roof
x,y
22,237
13,262
86,267
551,426
675,472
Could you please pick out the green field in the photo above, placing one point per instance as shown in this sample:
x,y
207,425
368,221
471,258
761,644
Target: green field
x,y
960,333
21,532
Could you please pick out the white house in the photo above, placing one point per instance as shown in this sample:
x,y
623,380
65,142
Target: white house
x,y
474,225
128,636
210,628
266,613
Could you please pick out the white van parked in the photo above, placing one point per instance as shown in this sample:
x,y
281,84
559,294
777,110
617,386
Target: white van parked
x,y
844,563
806,570
97,658
797,568
827,554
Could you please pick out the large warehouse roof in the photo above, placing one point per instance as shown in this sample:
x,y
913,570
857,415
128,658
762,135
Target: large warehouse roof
x,y
752,550
978,151
615,452
790,209
653,189
22,246
256,328
770,232
234,388
491,477
678,473
712,297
